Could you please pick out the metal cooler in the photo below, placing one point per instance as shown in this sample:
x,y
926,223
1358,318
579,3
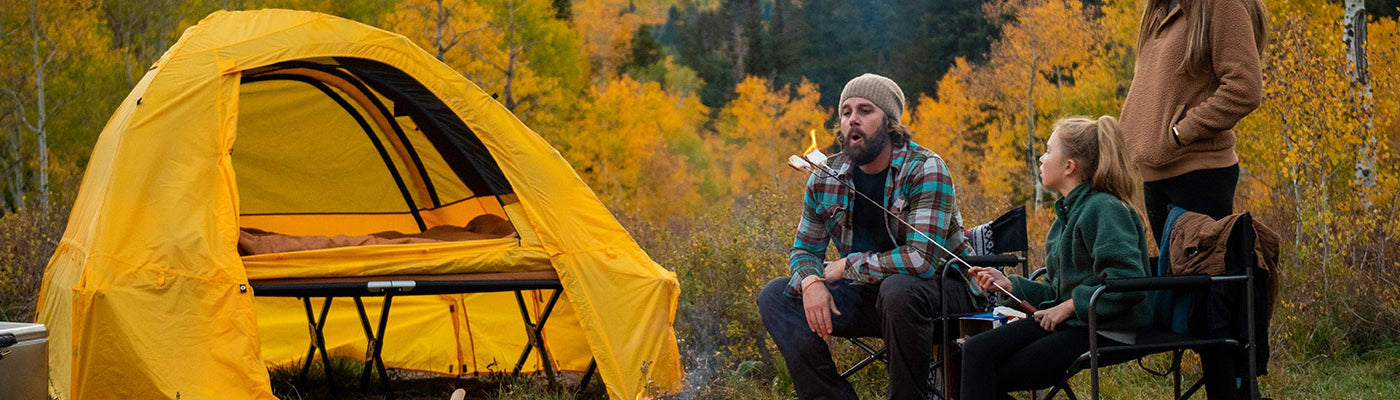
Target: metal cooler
x,y
24,361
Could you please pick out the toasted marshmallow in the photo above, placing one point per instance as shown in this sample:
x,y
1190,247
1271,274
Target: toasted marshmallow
x,y
809,162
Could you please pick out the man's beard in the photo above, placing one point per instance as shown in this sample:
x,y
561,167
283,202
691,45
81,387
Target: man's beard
x,y
870,146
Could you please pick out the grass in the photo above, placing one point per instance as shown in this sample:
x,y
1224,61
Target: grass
x,y
1368,375
287,384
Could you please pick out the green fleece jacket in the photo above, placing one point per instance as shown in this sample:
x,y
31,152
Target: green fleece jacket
x,y
1095,237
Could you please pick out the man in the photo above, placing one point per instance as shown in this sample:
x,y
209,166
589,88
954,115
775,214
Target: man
x,y
886,282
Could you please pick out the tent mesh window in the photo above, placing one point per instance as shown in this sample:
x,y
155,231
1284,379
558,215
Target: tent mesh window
x,y
346,146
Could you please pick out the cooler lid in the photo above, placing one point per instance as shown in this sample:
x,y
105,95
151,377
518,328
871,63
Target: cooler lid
x,y
24,332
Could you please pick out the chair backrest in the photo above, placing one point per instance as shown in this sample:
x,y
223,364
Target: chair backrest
x,y
1221,310
1005,234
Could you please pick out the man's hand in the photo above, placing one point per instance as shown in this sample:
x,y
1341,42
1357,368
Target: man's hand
x,y
987,276
835,270
1052,317
816,301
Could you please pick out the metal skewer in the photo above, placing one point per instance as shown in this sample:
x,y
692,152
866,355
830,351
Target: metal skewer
x,y
1027,307
830,173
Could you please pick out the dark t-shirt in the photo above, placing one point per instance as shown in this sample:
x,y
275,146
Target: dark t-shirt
x,y
869,232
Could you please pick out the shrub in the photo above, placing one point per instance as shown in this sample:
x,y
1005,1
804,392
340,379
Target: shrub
x,y
27,240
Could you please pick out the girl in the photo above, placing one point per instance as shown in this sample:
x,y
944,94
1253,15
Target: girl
x,y
1097,234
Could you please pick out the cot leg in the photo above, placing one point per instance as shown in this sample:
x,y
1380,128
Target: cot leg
x,y
534,330
524,315
379,347
369,344
319,342
587,375
539,336
311,332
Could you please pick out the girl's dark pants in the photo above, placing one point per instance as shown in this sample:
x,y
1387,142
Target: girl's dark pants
x,y
1020,356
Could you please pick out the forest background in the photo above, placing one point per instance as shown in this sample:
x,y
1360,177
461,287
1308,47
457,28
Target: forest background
x,y
681,113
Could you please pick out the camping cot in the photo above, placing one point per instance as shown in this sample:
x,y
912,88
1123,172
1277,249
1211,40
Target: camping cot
x,y
302,127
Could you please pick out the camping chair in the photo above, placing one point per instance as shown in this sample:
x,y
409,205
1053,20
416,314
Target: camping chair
x,y
990,243
1240,339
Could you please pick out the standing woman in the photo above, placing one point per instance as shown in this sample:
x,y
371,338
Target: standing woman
x,y
1097,235
1197,74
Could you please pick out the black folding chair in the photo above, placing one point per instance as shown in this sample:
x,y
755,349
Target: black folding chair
x,y
1238,338
990,243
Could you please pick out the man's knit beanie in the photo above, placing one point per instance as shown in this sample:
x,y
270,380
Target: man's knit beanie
x,y
879,90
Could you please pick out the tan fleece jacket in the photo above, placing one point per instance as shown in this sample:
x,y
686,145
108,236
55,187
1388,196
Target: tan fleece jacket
x,y
1204,107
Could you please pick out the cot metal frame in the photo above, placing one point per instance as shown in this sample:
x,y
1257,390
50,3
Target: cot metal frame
x,y
389,287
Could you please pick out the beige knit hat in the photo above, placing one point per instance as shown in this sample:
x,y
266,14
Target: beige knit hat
x,y
879,90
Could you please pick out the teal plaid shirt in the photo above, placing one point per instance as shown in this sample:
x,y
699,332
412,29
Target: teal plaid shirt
x,y
918,189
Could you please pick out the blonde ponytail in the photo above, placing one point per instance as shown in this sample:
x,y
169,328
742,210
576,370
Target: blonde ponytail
x,y
1098,145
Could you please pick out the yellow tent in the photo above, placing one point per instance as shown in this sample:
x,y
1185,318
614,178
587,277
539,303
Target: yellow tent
x,y
306,124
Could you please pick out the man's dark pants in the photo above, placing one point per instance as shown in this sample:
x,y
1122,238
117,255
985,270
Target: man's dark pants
x,y
901,310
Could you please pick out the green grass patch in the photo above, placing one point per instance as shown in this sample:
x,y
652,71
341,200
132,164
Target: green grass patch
x,y
345,373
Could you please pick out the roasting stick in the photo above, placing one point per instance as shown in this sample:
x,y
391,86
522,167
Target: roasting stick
x,y
816,162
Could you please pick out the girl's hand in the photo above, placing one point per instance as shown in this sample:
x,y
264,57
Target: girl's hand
x,y
987,276
1050,318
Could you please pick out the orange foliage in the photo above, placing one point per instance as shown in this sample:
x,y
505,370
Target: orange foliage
x,y
492,42
949,125
640,148
761,127
1045,47
607,27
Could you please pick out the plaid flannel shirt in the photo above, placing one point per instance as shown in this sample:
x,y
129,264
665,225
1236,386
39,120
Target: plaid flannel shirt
x,y
918,188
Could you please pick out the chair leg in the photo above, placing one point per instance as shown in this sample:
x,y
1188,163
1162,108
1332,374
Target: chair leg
x,y
863,363
1192,391
1176,373
872,356
1056,390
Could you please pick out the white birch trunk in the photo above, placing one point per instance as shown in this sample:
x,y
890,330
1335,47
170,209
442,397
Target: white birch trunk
x,y
1354,36
1036,185
511,52
40,123
441,24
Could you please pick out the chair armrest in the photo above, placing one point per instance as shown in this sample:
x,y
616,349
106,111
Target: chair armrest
x,y
1174,282
1038,273
995,260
